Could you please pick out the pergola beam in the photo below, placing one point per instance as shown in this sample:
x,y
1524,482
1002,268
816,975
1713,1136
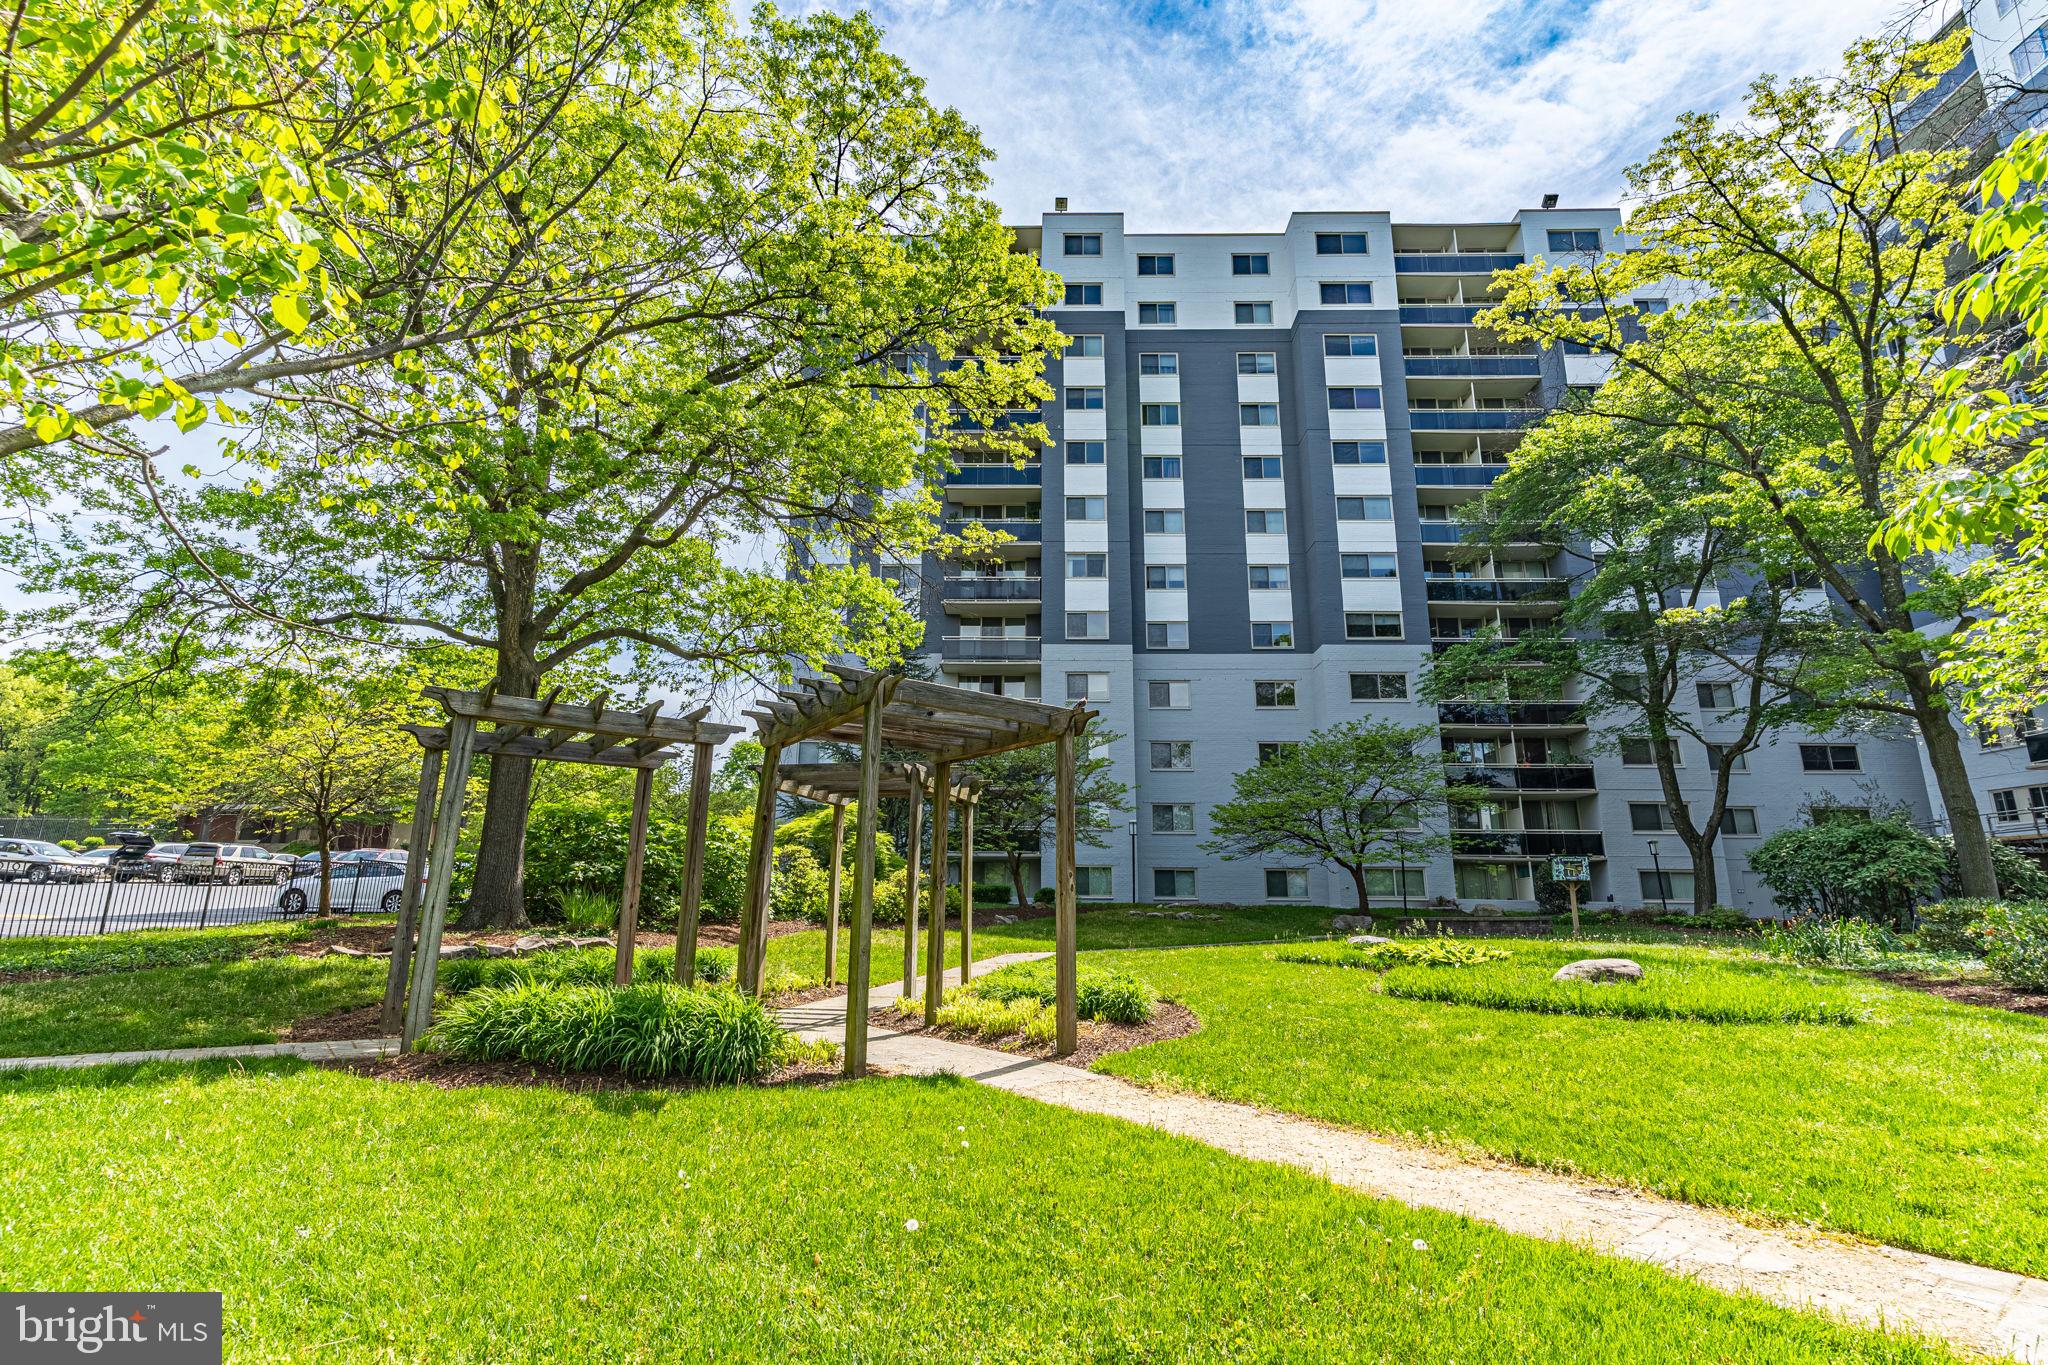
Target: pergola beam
x,y
593,719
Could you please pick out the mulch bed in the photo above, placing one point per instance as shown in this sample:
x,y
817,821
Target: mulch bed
x,y
1988,994
449,1073
1095,1038
341,1026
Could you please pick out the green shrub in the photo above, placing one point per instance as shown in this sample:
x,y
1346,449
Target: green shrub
x,y
799,889
578,967
1045,895
993,894
649,1032
1100,992
2020,878
299,848
588,912
1950,926
1833,942
1720,919
578,843
1380,957
1702,991
2014,939
813,831
1861,868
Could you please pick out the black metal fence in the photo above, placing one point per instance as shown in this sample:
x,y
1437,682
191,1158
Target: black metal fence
x,y
107,905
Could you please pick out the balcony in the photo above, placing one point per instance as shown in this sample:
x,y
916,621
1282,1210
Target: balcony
x,y
1010,419
1017,528
1442,314
1443,532
1498,714
1456,475
1527,843
964,588
990,648
1472,419
1472,366
995,476
1453,263
1495,589
1524,777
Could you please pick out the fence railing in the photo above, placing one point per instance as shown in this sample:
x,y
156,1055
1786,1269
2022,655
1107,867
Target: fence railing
x,y
107,905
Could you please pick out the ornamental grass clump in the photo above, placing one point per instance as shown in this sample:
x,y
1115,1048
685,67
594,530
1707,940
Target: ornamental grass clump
x,y
1105,993
1380,957
656,1031
579,967
1708,992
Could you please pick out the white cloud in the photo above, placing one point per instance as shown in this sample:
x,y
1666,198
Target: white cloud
x,y
1231,114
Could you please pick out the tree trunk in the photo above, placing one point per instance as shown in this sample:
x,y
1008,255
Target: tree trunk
x,y
326,833
1016,861
1965,822
1357,871
1706,889
497,897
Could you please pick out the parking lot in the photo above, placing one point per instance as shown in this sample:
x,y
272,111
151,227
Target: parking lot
x,y
107,906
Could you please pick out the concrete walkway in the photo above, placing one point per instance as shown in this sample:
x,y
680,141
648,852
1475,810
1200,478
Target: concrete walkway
x,y
1984,1310
311,1052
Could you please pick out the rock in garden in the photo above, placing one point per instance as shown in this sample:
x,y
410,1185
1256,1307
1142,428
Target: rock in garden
x,y
340,950
494,950
1600,969
1343,922
1006,919
590,943
1366,940
449,950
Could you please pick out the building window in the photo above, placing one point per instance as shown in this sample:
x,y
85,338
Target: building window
x,y
2006,805
1340,244
1159,414
1087,509
1087,566
1250,263
1252,314
1652,307
1393,883
1346,293
1156,314
1351,343
1273,750
1087,625
1358,452
1365,509
1829,758
1286,884
1173,883
1257,362
1379,687
1165,521
1166,635
1273,695
1265,521
1272,635
1082,244
1172,818
1159,362
1739,820
1262,466
1666,886
1573,239
1715,696
1084,296
1155,265
1258,414
1084,347
1091,883
1636,752
1084,452
2031,54
1267,577
1370,566
1161,466
1087,686
1166,577
1649,817
1084,400
1173,755
1166,695
1717,754
1372,625
1354,400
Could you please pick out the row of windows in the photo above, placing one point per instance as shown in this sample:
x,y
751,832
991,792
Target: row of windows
x,y
1813,758
1248,362
1358,625
1244,312
1341,452
1174,694
1654,817
1243,263
1343,399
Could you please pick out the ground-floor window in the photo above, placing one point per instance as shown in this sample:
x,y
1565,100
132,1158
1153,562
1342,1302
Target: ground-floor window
x,y
1286,884
1173,883
1666,886
1486,881
1391,883
1091,883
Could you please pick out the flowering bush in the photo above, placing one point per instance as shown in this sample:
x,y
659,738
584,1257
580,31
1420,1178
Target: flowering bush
x,y
2013,939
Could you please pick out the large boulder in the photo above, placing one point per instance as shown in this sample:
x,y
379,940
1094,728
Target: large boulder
x,y
1600,969
1366,940
1343,922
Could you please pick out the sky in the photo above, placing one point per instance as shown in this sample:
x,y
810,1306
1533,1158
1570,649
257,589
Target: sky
x,y
1227,115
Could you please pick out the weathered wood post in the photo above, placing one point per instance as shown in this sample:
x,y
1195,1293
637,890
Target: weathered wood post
x,y
935,932
629,896
913,884
693,866
859,965
832,893
440,871
760,873
967,888
421,843
1065,930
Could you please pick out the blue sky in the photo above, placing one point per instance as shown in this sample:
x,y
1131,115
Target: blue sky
x,y
1232,113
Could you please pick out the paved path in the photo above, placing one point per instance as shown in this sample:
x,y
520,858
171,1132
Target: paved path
x,y
311,1052
1986,1310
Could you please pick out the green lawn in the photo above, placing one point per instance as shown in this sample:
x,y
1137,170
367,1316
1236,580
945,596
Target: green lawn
x,y
353,1220
1925,1127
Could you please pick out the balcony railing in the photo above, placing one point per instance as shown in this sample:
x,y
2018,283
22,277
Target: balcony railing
x,y
991,648
1017,528
992,589
1456,475
1495,589
1526,777
1442,314
1443,532
1453,262
1506,713
995,476
1527,843
1008,420
1472,419
1473,366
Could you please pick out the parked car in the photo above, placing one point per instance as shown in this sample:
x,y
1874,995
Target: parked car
x,y
372,855
230,863
363,885
37,860
157,864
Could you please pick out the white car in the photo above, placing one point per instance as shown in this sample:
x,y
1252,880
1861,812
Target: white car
x,y
358,886
38,860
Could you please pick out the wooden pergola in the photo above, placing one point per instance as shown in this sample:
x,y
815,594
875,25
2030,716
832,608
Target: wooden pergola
x,y
544,730
949,725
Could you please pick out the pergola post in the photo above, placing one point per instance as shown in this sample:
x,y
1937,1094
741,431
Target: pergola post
x,y
832,893
858,968
912,886
440,870
629,896
935,954
967,888
421,844
1066,1030
693,866
760,873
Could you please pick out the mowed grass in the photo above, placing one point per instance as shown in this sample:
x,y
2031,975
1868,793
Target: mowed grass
x,y
351,1220
1926,1126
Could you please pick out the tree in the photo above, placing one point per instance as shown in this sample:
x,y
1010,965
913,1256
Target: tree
x,y
1796,368
745,235
1661,596
29,708
1019,811
1352,795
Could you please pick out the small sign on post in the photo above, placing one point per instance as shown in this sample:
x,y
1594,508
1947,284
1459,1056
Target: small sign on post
x,y
1572,871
